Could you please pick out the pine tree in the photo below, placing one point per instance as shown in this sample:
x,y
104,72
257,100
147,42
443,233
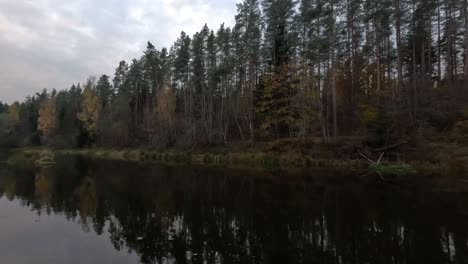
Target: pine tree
x,y
121,78
199,76
247,28
68,104
151,68
3,107
182,60
279,35
136,86
164,68
104,90
275,106
181,72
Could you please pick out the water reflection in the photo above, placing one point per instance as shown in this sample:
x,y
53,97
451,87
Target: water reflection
x,y
185,215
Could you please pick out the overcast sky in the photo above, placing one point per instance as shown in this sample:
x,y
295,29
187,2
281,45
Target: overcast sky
x,y
54,43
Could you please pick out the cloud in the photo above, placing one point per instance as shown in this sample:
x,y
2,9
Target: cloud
x,y
54,43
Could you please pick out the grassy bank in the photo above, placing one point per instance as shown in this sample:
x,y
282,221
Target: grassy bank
x,y
442,158
261,160
424,158
432,159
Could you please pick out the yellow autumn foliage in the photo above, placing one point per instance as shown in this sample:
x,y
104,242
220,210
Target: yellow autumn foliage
x,y
14,113
47,122
369,113
91,110
461,131
167,104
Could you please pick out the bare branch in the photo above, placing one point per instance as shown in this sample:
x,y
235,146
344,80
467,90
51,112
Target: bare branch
x,y
380,158
365,157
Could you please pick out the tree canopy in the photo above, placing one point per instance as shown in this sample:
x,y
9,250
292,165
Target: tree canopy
x,y
381,70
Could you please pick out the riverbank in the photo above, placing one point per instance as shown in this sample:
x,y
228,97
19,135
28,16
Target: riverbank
x,y
431,158
263,160
235,160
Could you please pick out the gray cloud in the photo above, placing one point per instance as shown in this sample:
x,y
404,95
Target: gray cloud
x,y
54,43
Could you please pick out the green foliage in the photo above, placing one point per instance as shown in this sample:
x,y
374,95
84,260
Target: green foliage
x,y
279,35
3,107
121,78
68,107
182,58
104,90
379,123
394,170
20,159
271,161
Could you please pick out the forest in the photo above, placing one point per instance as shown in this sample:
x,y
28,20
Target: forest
x,y
370,72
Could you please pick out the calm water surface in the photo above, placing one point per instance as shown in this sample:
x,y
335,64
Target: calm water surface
x,y
84,211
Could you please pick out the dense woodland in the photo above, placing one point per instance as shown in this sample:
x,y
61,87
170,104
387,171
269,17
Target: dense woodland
x,y
374,70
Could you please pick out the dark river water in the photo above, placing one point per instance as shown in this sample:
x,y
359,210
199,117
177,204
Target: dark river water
x,y
85,211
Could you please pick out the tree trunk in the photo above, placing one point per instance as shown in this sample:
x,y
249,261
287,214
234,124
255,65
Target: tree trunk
x,y
379,57
399,46
465,9
439,46
350,50
415,77
429,67
389,65
252,83
423,61
333,73
450,64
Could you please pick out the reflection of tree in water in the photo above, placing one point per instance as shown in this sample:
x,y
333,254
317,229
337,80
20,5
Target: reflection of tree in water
x,y
43,187
10,189
85,194
195,216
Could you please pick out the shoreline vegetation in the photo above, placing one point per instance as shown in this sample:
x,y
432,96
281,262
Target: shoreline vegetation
x,y
253,160
446,160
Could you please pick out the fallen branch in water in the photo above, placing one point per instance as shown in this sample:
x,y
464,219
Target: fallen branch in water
x,y
371,161
374,164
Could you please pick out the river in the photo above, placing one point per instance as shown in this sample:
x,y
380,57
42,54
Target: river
x,y
94,211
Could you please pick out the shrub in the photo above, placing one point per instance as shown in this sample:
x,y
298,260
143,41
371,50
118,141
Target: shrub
x,y
461,131
401,169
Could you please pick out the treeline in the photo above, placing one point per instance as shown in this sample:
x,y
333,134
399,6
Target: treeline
x,y
375,69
